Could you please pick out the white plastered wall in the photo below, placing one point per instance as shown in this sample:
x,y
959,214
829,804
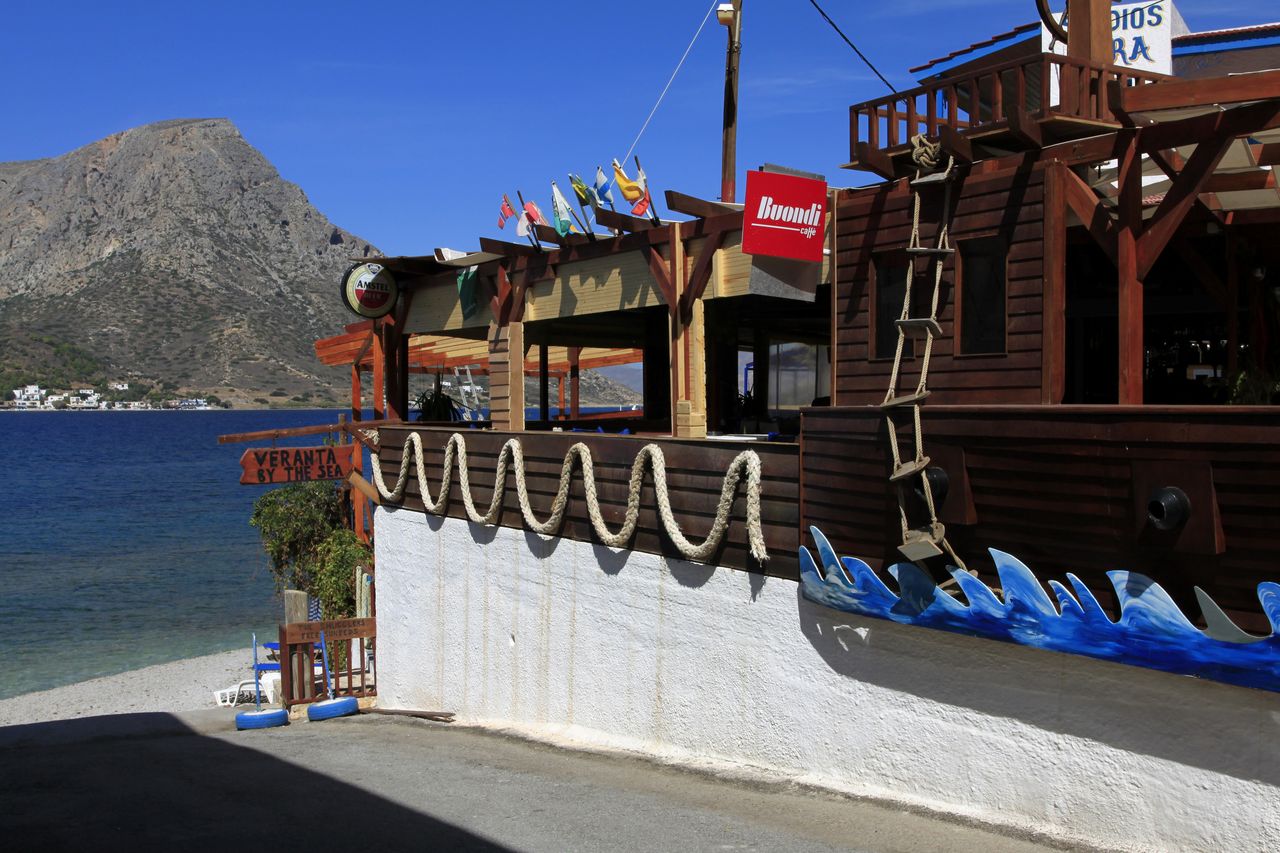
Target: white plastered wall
x,y
580,643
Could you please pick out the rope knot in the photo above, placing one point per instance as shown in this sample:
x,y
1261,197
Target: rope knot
x,y
925,154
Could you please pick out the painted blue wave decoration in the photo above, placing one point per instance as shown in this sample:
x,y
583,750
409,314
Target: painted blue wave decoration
x,y
1151,631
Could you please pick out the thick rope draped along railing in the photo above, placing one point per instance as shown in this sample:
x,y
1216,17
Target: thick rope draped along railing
x,y
651,456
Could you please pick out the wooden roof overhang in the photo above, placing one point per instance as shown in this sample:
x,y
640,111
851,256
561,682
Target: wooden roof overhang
x,y
1208,145
438,353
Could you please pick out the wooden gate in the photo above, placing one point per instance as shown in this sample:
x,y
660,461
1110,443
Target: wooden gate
x,y
351,645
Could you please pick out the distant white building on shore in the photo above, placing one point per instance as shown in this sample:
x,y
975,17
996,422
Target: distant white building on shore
x,y
28,397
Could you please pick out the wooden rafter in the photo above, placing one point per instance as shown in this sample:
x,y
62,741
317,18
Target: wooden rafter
x,y
1024,128
701,273
1179,200
956,144
1171,163
874,160
692,206
1173,94
1091,210
624,221
1236,121
1267,154
661,275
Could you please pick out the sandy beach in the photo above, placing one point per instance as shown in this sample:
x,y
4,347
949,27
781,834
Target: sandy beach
x,y
184,685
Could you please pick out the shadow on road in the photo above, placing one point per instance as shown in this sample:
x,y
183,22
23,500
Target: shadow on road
x,y
150,782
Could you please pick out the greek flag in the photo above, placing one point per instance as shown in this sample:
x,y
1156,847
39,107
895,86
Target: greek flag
x,y
602,190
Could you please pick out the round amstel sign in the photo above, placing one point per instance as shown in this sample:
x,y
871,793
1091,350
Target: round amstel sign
x,y
369,290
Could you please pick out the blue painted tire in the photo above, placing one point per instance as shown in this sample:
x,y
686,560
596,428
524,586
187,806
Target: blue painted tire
x,y
267,719
330,708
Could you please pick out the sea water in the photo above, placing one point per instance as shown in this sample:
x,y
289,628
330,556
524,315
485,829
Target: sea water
x,y
125,541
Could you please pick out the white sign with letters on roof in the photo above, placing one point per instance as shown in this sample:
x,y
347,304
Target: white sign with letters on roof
x,y
1141,36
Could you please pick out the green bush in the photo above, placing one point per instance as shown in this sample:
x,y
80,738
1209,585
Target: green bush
x,y
335,574
309,549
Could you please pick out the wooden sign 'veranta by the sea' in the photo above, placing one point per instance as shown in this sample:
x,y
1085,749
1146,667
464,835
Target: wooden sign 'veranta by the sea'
x,y
265,466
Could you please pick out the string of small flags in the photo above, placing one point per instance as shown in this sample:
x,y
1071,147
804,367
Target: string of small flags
x,y
589,197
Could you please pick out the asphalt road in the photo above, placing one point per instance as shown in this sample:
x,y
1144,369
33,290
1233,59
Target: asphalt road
x,y
156,782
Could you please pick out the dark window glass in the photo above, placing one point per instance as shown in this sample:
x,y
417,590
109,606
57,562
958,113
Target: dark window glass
x,y
982,292
891,283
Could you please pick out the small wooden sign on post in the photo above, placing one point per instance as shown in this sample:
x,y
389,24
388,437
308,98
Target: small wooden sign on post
x,y
268,466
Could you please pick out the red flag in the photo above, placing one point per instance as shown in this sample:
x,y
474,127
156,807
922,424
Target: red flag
x,y
505,212
535,215
643,204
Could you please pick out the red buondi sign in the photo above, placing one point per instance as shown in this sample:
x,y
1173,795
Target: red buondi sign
x,y
784,216
269,466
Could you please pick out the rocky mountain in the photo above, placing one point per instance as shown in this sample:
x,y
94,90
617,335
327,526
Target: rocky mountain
x,y
171,253
175,255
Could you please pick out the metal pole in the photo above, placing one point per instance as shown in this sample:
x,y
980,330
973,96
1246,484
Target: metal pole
x,y
729,149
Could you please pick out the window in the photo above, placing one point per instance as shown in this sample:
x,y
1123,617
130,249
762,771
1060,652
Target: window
x,y
983,314
890,287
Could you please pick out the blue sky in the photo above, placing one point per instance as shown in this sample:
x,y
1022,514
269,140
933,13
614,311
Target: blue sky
x,y
405,122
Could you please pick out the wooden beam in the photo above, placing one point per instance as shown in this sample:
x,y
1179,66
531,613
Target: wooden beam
x,y
547,234
575,371
624,221
1179,200
701,273
1205,91
1171,163
1129,281
871,159
544,379
955,144
293,432
1095,149
502,247
1267,154
1092,212
1259,179
1024,128
698,207
661,275
1089,31
1236,121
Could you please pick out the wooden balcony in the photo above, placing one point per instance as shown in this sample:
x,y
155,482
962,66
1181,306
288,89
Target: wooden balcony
x,y
1021,104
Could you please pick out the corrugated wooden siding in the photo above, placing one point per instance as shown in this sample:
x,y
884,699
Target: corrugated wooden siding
x,y
695,472
1008,204
436,308
609,283
1055,486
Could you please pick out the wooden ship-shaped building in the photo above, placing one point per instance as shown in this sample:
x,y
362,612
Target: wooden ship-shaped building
x,y
1102,348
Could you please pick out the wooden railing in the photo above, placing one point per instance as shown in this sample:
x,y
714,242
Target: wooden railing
x,y
1038,87
350,644
695,472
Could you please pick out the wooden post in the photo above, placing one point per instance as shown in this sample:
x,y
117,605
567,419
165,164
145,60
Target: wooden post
x,y
1233,307
688,364
506,378
356,403
1089,31
560,377
544,389
379,377
575,356
729,142
1130,307
400,409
